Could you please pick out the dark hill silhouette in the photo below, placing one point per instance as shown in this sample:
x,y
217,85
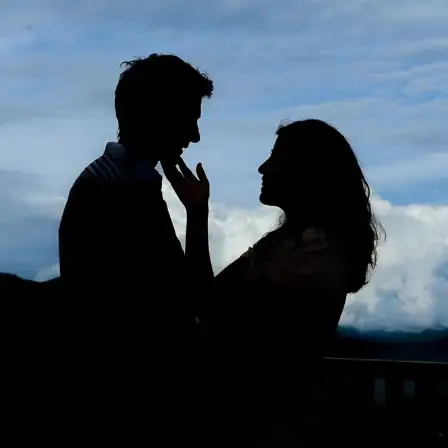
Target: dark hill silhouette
x,y
45,309
427,345
11,284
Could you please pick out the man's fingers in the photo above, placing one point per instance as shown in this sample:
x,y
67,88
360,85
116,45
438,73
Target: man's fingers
x,y
184,169
172,173
201,173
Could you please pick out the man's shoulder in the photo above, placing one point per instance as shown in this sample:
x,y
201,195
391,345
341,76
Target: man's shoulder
x,y
104,173
116,166
104,170
96,181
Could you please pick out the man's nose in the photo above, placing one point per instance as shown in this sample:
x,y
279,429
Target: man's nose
x,y
196,135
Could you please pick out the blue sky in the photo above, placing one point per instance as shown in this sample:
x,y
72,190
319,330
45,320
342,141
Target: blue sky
x,y
376,69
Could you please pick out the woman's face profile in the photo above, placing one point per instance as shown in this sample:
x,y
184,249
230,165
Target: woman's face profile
x,y
279,174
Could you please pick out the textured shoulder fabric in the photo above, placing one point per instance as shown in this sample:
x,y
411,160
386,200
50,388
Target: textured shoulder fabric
x,y
103,169
309,263
115,166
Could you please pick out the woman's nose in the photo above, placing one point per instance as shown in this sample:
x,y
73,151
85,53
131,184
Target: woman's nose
x,y
262,168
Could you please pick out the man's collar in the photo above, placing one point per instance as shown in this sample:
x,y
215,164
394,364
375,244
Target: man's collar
x,y
142,170
115,150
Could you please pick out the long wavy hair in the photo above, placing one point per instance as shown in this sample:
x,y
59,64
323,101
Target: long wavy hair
x,y
335,183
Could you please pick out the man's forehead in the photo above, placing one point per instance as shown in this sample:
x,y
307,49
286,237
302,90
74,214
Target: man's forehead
x,y
191,107
196,107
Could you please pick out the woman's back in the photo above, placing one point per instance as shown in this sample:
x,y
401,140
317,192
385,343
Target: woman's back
x,y
277,306
282,284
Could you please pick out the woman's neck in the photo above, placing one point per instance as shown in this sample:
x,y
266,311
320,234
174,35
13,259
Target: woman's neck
x,y
296,223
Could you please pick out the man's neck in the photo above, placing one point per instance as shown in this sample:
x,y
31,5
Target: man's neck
x,y
139,152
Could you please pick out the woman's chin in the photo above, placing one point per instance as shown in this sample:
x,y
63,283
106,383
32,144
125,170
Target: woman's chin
x,y
264,198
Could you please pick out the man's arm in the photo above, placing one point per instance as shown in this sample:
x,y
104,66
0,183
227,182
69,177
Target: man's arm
x,y
197,252
194,193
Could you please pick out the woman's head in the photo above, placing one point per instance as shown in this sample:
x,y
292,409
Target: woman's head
x,y
313,175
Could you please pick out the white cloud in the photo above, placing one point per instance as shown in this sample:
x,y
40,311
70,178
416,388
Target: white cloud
x,y
47,273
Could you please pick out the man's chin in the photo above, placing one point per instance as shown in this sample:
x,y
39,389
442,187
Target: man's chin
x,y
171,159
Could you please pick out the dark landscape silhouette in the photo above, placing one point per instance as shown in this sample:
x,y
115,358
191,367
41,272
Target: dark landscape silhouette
x,y
426,345
43,348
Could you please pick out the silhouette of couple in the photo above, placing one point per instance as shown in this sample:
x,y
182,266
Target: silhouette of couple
x,y
146,370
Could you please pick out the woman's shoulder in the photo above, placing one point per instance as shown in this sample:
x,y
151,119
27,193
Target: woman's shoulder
x,y
306,260
233,273
311,241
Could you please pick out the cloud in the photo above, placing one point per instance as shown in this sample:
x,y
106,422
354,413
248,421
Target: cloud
x,y
273,63
47,273
408,288
28,223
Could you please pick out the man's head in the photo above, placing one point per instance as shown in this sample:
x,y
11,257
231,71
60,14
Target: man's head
x,y
158,105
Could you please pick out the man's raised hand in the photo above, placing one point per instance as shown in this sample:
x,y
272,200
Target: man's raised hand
x,y
193,191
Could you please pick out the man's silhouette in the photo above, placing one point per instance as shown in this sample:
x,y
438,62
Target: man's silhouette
x,y
123,265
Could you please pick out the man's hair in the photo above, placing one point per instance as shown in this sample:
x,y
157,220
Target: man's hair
x,y
154,80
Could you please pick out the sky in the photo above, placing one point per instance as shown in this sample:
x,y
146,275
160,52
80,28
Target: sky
x,y
376,69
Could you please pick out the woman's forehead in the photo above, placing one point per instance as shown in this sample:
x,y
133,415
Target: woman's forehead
x,y
281,145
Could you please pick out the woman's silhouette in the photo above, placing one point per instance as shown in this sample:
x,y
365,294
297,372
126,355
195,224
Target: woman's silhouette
x,y
270,313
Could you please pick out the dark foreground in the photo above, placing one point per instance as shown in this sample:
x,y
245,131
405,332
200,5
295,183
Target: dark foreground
x,y
378,388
